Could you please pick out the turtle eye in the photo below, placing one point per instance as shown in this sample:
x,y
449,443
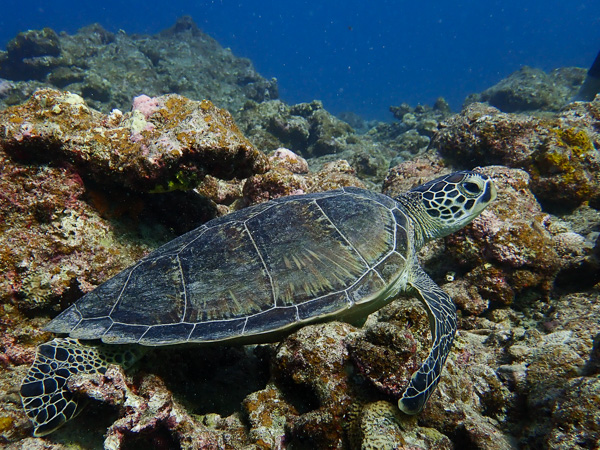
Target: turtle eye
x,y
471,188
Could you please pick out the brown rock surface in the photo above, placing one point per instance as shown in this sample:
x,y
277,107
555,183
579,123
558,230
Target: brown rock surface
x,y
165,143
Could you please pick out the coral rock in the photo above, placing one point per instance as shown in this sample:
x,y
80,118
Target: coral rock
x,y
333,175
30,55
54,245
288,159
277,182
380,425
165,143
530,89
280,181
576,415
109,69
314,361
508,248
149,412
559,153
407,175
269,414
305,128
388,351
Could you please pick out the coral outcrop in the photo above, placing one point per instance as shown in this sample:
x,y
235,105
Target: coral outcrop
x,y
53,244
559,153
305,128
163,144
108,70
309,130
531,89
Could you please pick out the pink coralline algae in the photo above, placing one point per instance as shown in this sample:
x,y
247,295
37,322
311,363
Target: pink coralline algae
x,y
288,159
144,412
146,105
12,352
165,143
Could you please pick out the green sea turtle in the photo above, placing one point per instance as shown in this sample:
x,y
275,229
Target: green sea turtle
x,y
256,274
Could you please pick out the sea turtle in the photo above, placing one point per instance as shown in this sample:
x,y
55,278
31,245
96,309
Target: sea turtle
x,y
261,272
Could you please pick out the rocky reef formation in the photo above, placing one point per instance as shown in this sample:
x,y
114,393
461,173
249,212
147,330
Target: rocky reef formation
x,y
306,128
108,70
531,89
311,131
67,166
85,192
560,152
165,143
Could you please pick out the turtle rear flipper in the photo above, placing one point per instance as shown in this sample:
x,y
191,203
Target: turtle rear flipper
x,y
442,318
47,400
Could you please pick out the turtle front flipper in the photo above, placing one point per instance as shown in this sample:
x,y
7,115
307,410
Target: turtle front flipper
x,y
442,318
46,398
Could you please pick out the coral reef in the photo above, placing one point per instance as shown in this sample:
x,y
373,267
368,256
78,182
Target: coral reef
x,y
309,130
108,70
379,425
559,153
422,118
86,190
509,250
54,246
530,89
149,410
165,143
314,362
327,381
409,174
410,136
281,181
32,53
305,128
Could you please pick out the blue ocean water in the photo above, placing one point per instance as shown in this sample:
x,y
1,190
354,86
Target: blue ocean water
x,y
355,55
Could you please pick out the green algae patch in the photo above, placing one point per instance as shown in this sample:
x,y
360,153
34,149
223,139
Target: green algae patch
x,y
182,181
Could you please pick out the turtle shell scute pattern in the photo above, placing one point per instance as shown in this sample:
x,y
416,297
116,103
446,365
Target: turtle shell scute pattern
x,y
252,274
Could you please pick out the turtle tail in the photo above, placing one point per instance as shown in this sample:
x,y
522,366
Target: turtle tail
x,y
45,394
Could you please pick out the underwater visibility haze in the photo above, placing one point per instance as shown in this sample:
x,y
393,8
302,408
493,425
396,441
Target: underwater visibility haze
x,y
357,56
263,174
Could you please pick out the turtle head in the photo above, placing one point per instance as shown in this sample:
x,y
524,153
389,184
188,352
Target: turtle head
x,y
448,203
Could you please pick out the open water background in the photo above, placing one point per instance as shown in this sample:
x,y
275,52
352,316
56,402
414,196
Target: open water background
x,y
357,55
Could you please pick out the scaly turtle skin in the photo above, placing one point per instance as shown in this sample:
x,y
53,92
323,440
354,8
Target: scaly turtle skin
x,y
255,275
